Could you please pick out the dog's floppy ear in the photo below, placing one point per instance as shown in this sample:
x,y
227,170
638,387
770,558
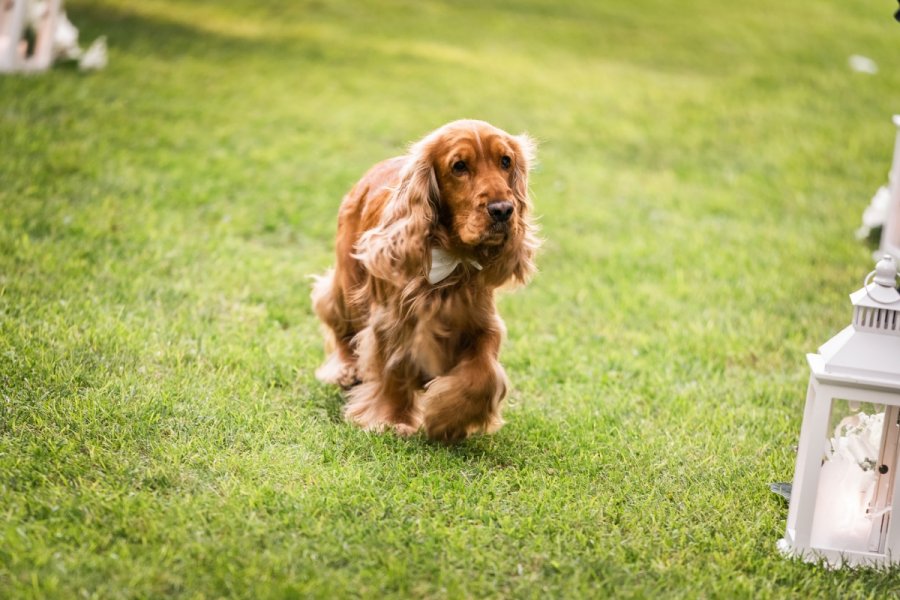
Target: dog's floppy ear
x,y
523,261
526,153
397,248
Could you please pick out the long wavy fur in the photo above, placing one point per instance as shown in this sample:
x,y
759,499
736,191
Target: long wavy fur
x,y
425,356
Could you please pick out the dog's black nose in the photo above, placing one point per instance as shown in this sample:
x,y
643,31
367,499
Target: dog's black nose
x,y
500,211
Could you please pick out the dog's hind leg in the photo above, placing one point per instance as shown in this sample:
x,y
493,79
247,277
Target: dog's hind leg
x,y
340,365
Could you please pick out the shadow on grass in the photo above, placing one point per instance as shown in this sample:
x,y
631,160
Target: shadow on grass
x,y
145,35
498,450
311,38
321,34
329,401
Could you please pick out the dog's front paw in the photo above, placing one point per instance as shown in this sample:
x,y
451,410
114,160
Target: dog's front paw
x,y
405,430
338,371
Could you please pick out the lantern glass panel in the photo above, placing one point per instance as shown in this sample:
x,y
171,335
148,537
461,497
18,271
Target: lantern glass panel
x,y
855,484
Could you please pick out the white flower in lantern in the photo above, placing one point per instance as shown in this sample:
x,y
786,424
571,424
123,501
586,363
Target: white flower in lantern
x,y
844,486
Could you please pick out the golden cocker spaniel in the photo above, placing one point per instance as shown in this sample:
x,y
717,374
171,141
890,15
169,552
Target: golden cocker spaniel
x,y
423,241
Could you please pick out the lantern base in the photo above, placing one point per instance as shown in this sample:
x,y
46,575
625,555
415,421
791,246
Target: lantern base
x,y
834,559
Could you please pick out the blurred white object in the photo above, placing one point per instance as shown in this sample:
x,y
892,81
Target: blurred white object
x,y
65,38
35,33
875,214
863,64
890,233
17,17
94,58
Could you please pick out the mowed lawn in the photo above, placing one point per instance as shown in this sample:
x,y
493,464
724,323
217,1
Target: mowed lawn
x,y
703,165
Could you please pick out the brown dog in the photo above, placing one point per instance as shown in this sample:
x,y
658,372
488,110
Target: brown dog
x,y
423,241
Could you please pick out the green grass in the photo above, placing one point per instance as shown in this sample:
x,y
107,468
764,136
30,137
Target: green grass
x,y
703,167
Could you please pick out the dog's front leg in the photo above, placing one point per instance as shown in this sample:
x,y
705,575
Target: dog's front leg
x,y
385,398
467,399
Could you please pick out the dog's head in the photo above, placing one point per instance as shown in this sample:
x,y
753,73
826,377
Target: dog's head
x,y
464,189
482,176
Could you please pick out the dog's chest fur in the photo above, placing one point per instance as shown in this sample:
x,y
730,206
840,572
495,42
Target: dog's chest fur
x,y
447,325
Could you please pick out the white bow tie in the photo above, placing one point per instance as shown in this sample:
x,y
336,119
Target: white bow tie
x,y
443,263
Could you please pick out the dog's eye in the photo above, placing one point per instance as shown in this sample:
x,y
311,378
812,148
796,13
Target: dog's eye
x,y
505,162
460,167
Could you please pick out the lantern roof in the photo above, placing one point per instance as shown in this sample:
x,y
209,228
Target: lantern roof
x,y
867,352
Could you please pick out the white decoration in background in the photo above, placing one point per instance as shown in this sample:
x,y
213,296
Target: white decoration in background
x,y
17,18
875,214
890,233
862,64
94,58
54,38
65,38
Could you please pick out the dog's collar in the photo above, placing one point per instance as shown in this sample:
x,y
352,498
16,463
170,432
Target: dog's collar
x,y
443,263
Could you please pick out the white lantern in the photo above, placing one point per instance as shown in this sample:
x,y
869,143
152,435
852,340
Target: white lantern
x,y
844,489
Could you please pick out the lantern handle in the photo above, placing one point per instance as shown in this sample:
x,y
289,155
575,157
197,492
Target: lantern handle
x,y
867,280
